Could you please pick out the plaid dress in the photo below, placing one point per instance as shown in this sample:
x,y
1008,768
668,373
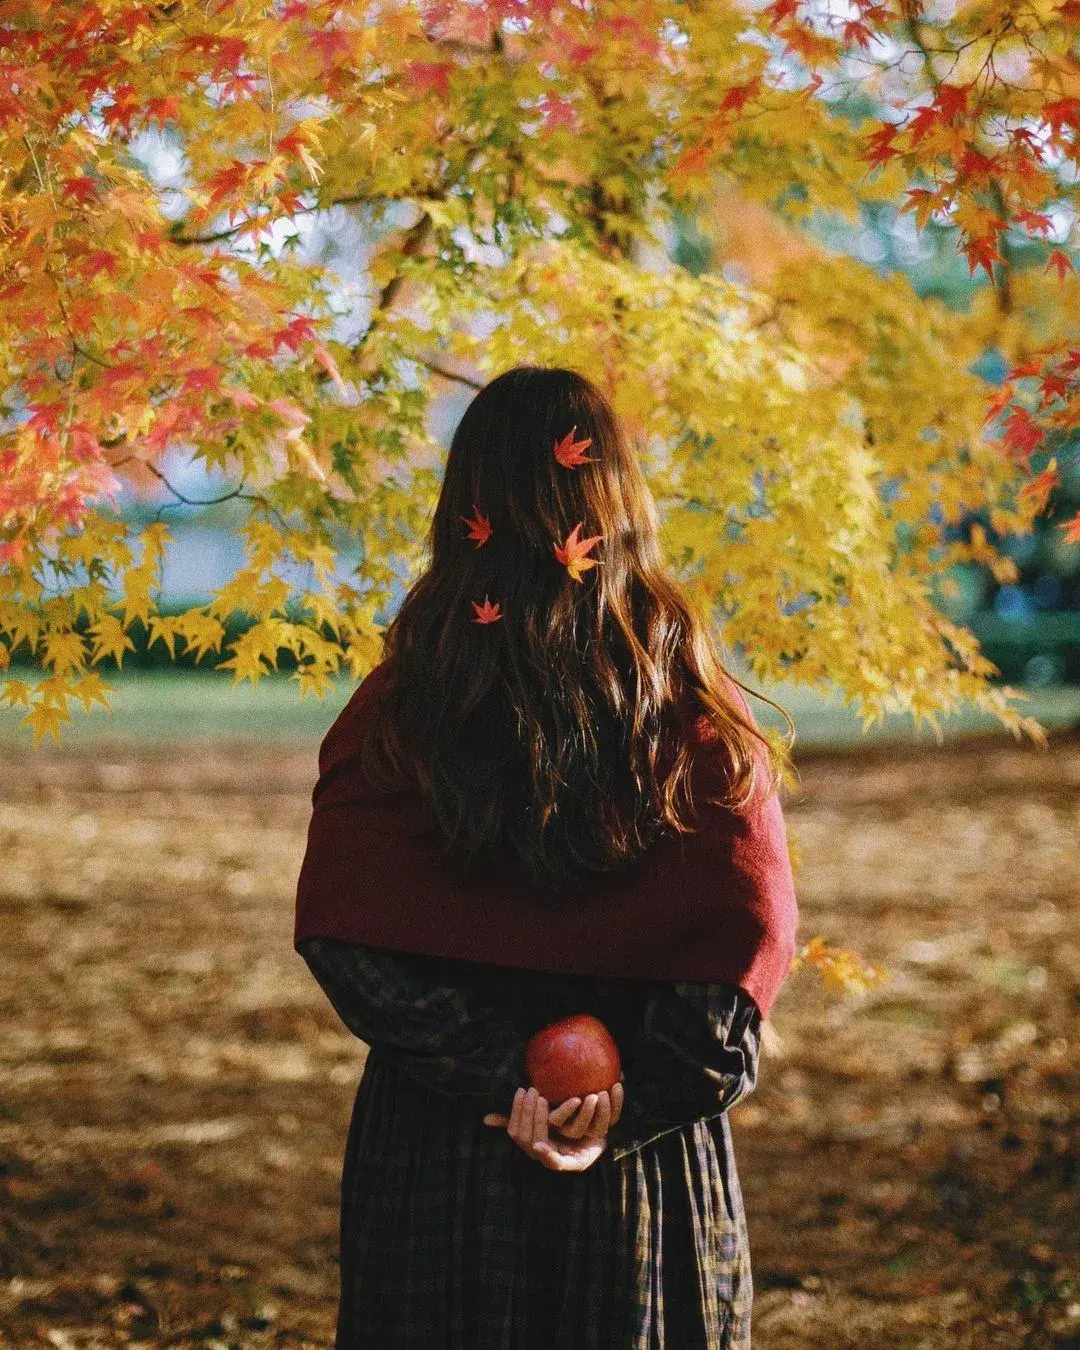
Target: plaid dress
x,y
452,1238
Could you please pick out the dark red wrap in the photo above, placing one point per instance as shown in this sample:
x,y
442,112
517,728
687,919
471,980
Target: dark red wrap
x,y
717,905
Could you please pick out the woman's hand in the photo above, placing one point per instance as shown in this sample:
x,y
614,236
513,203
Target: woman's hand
x,y
582,1127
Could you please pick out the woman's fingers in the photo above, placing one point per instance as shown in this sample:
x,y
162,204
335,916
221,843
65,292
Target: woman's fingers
x,y
557,1115
584,1118
598,1113
560,1114
514,1124
527,1118
575,1119
573,1128
539,1135
528,1128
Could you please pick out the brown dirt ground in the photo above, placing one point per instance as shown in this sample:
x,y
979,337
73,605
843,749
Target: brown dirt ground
x,y
176,1089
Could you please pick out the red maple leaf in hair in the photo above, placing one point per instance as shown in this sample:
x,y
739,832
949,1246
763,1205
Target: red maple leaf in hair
x,y
487,612
568,451
479,526
572,553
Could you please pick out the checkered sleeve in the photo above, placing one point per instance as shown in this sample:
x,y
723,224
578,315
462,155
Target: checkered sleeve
x,y
442,1032
696,1054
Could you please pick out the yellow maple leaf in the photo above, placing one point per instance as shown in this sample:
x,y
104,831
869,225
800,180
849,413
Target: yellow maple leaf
x,y
46,718
92,689
110,639
16,693
64,650
313,677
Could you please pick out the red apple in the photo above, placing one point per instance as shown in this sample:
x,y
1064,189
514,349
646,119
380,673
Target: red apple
x,y
572,1058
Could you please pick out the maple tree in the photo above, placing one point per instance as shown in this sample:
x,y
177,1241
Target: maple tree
x,y
815,434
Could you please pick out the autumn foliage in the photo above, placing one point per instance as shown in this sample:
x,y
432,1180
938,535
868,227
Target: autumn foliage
x,y
814,435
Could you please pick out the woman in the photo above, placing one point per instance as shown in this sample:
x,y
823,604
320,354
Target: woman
x,y
548,798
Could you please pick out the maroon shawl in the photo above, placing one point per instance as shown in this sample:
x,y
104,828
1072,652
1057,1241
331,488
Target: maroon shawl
x,y
714,906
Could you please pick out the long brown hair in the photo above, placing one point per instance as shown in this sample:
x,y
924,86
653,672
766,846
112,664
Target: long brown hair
x,y
557,732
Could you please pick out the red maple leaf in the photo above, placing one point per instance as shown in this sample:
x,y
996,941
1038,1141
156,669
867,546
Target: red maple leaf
x,y
572,553
227,181
1065,112
479,526
435,75
581,52
557,111
45,418
205,377
952,100
880,146
568,451
332,44
101,260
983,252
857,33
298,330
163,110
738,95
84,188
1053,385
1059,262
922,120
487,612
974,164
1022,435
1037,221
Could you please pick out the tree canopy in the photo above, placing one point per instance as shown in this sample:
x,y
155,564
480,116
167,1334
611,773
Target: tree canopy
x,y
816,433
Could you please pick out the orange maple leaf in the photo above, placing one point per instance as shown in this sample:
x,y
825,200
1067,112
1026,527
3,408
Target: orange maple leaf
x,y
568,451
1059,262
479,526
1038,489
1072,529
487,612
983,252
572,553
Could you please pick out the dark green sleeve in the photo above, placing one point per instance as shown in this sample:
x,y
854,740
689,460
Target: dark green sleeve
x,y
432,1018
694,1056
